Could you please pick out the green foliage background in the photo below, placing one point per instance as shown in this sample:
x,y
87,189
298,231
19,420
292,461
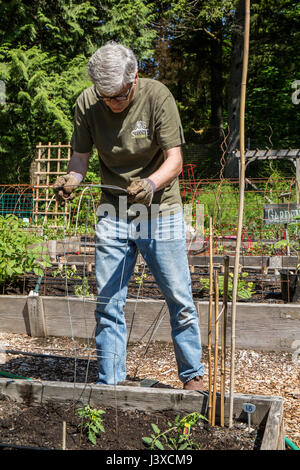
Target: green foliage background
x,y
45,46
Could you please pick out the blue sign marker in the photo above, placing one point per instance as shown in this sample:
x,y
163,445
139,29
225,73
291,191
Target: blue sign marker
x,y
249,408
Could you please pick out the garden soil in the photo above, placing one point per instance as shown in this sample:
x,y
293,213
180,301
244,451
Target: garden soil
x,y
266,289
41,427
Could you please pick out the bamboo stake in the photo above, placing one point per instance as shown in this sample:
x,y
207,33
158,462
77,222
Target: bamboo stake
x,y
241,202
210,321
223,343
216,283
64,435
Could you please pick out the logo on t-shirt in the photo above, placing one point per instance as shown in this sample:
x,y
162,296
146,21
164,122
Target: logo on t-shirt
x,y
141,130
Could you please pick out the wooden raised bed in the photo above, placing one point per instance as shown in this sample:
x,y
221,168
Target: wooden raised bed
x,y
265,327
258,262
268,413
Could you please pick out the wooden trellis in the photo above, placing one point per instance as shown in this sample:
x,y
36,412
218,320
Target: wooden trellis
x,y
52,161
293,155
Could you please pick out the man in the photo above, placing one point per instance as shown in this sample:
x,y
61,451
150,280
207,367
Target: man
x,y
135,126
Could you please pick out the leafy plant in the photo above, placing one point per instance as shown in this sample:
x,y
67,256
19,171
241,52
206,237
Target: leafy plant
x,y
65,272
294,245
83,290
244,289
177,436
259,249
19,250
139,280
92,422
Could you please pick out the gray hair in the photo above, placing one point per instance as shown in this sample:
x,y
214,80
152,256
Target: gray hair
x,y
112,67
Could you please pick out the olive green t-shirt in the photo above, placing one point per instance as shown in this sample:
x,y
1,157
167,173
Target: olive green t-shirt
x,y
130,144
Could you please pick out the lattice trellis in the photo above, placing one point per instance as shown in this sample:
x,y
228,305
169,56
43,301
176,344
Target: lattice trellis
x,y
52,161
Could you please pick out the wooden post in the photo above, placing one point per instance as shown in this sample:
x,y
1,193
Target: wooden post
x,y
241,204
37,182
216,283
223,342
64,435
210,321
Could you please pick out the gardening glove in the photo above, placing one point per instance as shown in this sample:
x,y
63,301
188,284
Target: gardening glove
x,y
64,187
141,191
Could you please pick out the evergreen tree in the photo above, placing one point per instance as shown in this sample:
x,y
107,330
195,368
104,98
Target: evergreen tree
x,y
45,47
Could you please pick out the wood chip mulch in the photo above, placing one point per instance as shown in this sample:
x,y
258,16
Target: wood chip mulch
x,y
256,372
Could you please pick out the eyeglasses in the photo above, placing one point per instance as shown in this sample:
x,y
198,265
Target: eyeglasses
x,y
116,98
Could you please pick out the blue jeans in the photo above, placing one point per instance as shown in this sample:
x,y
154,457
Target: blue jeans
x,y
162,245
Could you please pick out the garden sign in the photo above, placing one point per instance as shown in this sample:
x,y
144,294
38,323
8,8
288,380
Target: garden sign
x,y
281,213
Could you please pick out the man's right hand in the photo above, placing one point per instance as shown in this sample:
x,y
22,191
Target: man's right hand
x,y
63,188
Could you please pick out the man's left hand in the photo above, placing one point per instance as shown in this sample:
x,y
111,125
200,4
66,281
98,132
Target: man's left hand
x,y
141,192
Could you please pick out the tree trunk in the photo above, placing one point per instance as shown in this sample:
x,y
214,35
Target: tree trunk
x,y
234,91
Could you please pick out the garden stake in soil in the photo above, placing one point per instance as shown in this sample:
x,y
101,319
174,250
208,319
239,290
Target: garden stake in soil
x,y
210,321
241,202
216,284
64,435
223,345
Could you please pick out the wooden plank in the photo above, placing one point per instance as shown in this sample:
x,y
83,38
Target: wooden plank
x,y
148,399
129,397
24,391
255,262
48,173
67,317
50,213
270,154
14,314
259,326
262,403
245,261
54,159
52,145
273,429
63,316
262,327
36,316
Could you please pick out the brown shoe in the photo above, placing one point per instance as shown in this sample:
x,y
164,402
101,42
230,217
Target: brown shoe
x,y
195,384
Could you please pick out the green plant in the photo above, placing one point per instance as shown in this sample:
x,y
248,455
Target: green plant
x,y
65,272
139,280
83,290
260,248
20,251
177,436
92,422
244,290
294,245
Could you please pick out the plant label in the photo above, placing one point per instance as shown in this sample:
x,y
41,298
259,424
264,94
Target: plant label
x,y
249,409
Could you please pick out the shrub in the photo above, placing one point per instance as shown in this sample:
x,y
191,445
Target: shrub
x,y
19,252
